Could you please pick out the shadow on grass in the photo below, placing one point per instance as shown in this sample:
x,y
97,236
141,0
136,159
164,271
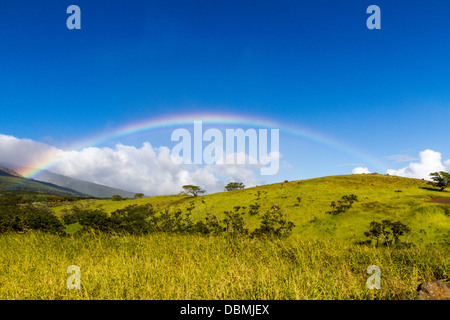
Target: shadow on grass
x,y
433,189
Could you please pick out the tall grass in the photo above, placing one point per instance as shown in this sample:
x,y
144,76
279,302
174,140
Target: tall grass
x,y
173,266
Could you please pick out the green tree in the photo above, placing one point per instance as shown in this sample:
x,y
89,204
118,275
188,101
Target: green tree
x,y
398,229
343,205
375,232
234,186
441,179
191,189
138,195
383,231
116,197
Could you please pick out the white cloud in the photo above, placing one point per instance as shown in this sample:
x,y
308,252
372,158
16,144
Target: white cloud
x,y
429,161
21,152
360,170
447,165
145,169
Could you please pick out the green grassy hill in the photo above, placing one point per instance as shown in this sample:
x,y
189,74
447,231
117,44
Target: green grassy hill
x,y
307,201
320,260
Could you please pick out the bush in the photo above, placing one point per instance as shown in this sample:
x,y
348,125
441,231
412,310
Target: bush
x,y
29,217
274,224
134,219
254,209
96,219
342,205
384,230
10,220
42,218
172,222
235,222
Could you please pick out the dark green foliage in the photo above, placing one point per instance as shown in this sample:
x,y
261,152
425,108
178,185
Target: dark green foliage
x,y
342,205
116,197
12,220
440,179
387,231
398,229
139,195
235,222
254,209
190,207
29,217
234,186
259,193
193,190
274,223
212,225
95,219
134,219
140,219
175,222
41,218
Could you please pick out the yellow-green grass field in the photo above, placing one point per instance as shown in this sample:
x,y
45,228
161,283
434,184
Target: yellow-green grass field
x,y
171,266
320,260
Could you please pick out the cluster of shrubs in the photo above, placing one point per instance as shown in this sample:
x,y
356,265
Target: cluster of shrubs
x,y
386,232
27,217
143,219
342,205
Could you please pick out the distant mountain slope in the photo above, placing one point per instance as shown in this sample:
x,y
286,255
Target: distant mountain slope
x,y
9,173
90,188
11,180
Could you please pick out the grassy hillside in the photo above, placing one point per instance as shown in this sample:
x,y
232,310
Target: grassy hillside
x,y
322,259
306,203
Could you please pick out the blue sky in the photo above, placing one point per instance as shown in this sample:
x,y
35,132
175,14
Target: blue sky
x,y
311,64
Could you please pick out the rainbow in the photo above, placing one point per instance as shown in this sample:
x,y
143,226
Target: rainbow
x,y
169,121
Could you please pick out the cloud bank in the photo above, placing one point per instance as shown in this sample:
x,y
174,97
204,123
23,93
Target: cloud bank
x,y
429,161
145,169
360,170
